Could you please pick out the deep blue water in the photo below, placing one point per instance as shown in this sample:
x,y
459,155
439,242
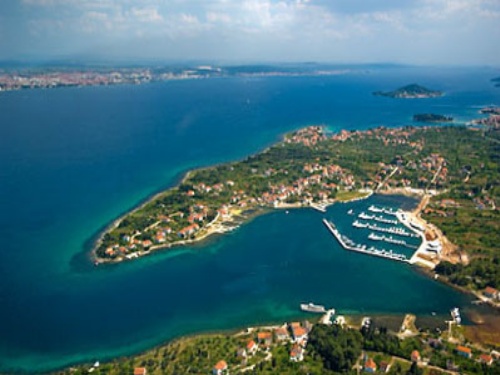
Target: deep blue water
x,y
72,160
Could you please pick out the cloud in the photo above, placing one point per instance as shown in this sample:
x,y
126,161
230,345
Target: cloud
x,y
146,14
368,30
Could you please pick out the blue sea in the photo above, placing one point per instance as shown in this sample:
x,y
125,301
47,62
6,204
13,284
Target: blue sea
x,y
74,159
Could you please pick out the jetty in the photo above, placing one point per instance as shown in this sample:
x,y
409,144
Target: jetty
x,y
348,244
385,210
321,207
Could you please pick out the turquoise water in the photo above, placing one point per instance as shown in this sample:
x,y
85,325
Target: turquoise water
x,y
72,160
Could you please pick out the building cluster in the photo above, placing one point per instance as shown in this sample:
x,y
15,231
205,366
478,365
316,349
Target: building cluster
x,y
65,78
73,78
295,334
309,136
318,184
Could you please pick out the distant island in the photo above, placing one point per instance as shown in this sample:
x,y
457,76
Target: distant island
x,y
496,81
412,91
431,117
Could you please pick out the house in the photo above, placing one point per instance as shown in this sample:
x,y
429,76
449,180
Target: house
x,y
252,347
265,338
296,353
299,334
140,371
415,356
281,334
464,351
490,292
370,366
189,230
384,367
486,359
147,243
220,368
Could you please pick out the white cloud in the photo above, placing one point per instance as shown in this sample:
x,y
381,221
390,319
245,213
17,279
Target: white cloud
x,y
146,14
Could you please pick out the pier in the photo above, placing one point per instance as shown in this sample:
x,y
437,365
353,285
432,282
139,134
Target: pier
x,y
348,244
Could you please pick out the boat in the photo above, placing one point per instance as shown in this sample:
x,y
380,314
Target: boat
x,y
455,314
350,212
359,224
373,208
311,307
372,236
363,215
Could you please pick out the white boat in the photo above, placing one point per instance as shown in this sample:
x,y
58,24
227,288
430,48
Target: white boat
x,y
311,307
359,224
455,314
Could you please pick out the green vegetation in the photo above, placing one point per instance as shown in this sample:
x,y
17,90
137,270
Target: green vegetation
x,y
411,91
330,350
309,166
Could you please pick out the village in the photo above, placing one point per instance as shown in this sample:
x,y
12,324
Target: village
x,y
201,208
293,348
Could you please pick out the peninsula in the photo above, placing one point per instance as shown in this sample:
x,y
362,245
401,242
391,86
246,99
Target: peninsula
x,y
454,167
412,91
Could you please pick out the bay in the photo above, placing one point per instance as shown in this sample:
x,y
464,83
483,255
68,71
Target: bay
x,y
72,160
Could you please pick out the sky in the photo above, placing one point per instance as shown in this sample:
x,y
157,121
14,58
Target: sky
x,y
424,32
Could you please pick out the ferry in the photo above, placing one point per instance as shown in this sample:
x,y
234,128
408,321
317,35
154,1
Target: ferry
x,y
455,314
311,307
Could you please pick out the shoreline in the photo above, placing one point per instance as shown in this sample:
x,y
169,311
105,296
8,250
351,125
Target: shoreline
x,y
212,228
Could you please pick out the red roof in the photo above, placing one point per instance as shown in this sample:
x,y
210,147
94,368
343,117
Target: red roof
x,y
490,290
464,349
299,331
486,358
370,364
251,344
264,335
221,365
140,371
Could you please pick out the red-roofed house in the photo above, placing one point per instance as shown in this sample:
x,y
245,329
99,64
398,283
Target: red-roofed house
x,y
464,351
370,366
140,371
265,338
299,334
252,347
490,292
297,353
220,368
415,356
281,334
486,359
189,230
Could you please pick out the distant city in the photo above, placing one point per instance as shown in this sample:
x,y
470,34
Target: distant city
x,y
31,78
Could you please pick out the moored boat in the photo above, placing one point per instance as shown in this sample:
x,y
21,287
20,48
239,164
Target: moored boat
x,y
311,307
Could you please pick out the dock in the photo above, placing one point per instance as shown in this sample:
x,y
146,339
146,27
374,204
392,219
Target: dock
x,y
348,244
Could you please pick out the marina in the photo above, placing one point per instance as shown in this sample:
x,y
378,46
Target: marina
x,y
348,244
